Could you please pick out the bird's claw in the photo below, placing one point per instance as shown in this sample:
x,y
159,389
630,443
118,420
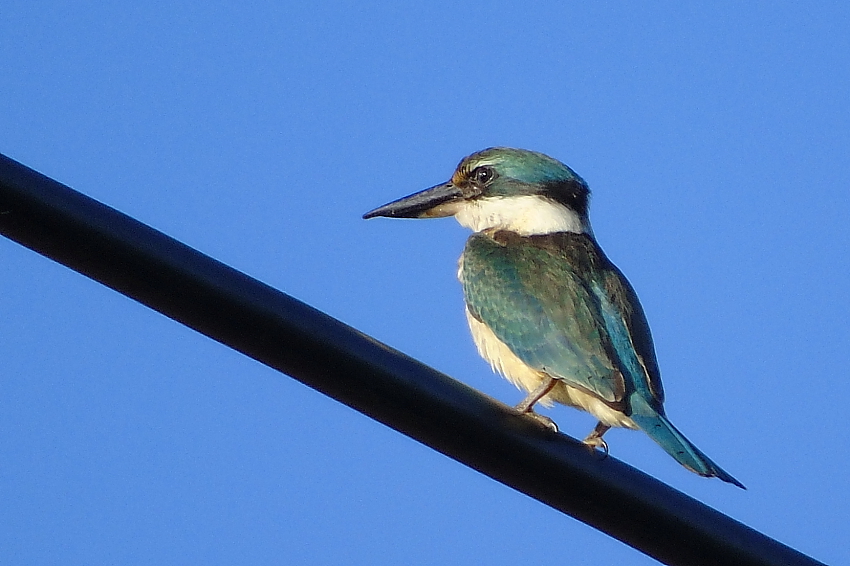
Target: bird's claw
x,y
596,442
544,420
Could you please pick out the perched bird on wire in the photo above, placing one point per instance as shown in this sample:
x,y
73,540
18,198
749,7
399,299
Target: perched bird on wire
x,y
546,307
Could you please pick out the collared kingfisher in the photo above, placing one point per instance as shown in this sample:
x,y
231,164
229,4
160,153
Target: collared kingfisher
x,y
547,309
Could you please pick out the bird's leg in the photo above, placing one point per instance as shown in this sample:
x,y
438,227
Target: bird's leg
x,y
527,404
595,440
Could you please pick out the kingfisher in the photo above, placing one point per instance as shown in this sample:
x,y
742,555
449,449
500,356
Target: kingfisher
x,y
546,307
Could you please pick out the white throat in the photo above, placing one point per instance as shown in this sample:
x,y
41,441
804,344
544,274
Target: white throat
x,y
526,215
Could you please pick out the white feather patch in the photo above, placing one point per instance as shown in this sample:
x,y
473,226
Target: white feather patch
x,y
526,215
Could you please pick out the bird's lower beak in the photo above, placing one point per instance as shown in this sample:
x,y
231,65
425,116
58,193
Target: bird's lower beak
x,y
436,202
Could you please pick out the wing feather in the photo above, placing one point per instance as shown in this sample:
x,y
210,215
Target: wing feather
x,y
537,303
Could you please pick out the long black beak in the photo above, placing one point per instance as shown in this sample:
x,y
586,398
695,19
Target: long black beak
x,y
430,203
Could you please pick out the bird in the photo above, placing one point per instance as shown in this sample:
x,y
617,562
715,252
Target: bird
x,y
546,307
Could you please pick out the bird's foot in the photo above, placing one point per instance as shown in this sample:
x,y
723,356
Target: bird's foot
x,y
544,420
596,442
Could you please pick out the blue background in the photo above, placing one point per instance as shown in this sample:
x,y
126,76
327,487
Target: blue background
x,y
716,141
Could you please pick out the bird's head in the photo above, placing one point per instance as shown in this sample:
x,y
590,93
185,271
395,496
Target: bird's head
x,y
503,188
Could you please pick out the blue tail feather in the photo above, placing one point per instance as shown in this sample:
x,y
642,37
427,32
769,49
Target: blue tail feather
x,y
662,431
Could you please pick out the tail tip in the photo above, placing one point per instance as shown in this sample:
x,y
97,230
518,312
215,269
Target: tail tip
x,y
716,472
729,479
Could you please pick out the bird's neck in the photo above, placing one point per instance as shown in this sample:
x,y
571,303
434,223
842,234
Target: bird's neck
x,y
526,215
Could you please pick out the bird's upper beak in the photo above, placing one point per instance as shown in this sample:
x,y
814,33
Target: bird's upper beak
x,y
438,201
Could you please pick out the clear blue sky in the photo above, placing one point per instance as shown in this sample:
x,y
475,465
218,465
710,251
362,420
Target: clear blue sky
x,y
717,143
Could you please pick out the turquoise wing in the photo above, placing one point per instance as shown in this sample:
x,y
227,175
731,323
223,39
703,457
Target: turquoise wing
x,y
536,303
628,330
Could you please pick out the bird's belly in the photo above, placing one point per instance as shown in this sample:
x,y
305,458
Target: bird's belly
x,y
505,362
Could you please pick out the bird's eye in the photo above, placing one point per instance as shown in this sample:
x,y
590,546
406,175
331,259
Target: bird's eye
x,y
482,175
